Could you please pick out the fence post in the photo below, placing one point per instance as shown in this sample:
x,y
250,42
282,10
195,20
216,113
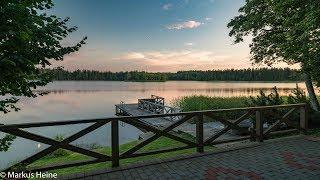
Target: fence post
x,y
199,133
303,119
259,126
115,142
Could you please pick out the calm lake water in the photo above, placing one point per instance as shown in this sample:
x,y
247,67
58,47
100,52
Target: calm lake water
x,y
72,100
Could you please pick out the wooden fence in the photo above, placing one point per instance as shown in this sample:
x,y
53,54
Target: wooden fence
x,y
155,108
257,133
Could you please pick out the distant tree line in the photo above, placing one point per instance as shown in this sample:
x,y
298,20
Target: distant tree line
x,y
108,76
262,74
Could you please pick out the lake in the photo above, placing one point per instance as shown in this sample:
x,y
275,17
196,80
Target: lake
x,y
72,100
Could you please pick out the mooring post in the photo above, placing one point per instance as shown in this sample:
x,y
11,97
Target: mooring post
x,y
259,126
115,142
303,119
199,133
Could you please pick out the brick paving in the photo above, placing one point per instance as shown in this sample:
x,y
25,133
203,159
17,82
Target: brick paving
x,y
291,158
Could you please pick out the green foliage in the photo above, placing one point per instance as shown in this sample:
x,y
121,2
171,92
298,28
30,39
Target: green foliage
x,y
144,76
59,152
259,74
8,103
298,96
262,74
6,142
266,100
19,167
94,146
29,39
200,102
282,31
271,99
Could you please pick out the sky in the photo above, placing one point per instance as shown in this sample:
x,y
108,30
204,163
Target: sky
x,y
153,35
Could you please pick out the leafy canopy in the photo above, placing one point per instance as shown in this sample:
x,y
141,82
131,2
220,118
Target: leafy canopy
x,y
29,40
283,31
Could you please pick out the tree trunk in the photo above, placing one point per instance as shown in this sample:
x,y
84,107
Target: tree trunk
x,y
312,95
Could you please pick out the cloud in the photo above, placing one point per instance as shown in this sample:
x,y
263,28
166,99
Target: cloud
x,y
208,19
189,44
174,60
184,25
167,6
134,55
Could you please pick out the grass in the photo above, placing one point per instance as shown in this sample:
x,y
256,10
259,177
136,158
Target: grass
x,y
161,143
200,102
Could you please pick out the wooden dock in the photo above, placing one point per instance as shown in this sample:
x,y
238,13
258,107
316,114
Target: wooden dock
x,y
156,105
153,105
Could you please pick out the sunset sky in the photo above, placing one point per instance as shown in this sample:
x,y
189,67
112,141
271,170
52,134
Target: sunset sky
x,y
153,35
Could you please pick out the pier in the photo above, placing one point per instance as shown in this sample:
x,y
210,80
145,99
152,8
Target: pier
x,y
153,105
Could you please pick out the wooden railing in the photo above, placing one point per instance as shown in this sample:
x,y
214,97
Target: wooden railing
x,y
256,113
158,99
155,108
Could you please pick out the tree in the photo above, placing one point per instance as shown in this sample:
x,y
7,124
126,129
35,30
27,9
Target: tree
x,y
283,31
29,40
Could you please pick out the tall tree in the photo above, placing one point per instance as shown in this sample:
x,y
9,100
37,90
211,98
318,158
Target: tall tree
x,y
283,31
29,40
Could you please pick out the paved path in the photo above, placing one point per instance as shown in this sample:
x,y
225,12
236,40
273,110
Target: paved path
x,y
286,158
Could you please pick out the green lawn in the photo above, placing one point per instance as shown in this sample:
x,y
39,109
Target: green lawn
x,y
161,143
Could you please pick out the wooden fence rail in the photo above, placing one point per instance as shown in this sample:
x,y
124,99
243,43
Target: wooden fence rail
x,y
156,108
254,113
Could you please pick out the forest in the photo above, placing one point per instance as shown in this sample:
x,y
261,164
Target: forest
x,y
261,74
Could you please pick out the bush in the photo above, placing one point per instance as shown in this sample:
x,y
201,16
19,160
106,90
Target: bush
x,y
299,96
59,152
266,100
272,99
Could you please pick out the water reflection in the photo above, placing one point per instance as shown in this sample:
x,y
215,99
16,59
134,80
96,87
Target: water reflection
x,y
226,92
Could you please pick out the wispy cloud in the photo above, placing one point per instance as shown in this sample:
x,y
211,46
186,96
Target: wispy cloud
x,y
208,18
184,25
133,55
189,44
167,6
174,60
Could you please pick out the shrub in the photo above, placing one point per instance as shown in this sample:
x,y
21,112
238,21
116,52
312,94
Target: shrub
x,y
272,99
59,152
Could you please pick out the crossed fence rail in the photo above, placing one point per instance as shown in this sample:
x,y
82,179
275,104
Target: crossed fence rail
x,y
156,105
258,133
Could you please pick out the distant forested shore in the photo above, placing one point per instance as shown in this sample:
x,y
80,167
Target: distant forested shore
x,y
262,74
